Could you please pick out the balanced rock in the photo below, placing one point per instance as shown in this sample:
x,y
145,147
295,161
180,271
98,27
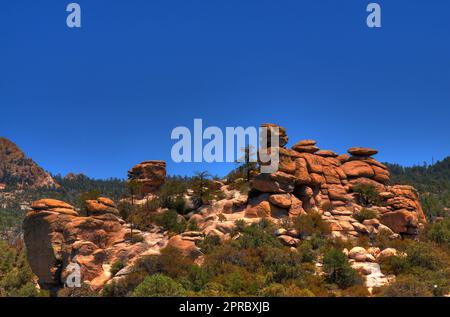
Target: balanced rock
x,y
151,175
362,151
100,206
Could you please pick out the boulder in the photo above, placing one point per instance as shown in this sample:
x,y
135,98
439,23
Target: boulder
x,y
186,247
100,206
276,183
362,151
358,253
281,200
357,169
326,153
401,221
150,174
305,148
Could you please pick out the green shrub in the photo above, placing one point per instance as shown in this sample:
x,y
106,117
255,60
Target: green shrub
x,y
170,263
124,286
440,232
368,194
210,243
365,214
280,290
256,235
170,221
407,286
193,226
311,223
338,270
116,267
159,285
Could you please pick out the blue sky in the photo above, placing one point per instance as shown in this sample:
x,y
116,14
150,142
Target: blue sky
x,y
104,97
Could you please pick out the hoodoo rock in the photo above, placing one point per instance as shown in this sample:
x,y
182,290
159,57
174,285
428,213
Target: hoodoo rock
x,y
151,174
18,170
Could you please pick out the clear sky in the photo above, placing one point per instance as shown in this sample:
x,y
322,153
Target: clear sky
x,y
104,97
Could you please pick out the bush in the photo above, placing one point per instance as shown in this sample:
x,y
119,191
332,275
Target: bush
x,y
338,270
170,263
279,290
440,232
116,267
159,285
171,221
124,286
256,235
311,223
406,286
210,243
365,214
368,194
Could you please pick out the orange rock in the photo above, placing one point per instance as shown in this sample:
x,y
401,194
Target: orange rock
x,y
287,165
45,204
281,200
362,151
283,138
317,179
151,174
326,153
401,221
301,171
357,169
306,143
276,183
305,148
96,207
381,175
331,175
367,181
186,247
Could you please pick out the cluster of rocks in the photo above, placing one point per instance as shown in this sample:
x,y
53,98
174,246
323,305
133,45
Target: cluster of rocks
x,y
310,179
56,237
367,263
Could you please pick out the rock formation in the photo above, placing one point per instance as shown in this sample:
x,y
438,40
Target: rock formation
x,y
16,169
57,237
151,174
310,179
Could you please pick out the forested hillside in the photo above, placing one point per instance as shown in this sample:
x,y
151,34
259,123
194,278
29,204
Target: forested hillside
x,y
432,181
14,203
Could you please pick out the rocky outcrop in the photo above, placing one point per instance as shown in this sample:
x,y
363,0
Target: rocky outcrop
x,y
323,181
56,238
18,170
150,174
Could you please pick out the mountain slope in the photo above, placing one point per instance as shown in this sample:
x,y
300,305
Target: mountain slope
x,y
18,170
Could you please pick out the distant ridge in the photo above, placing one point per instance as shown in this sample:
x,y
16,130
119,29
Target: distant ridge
x,y
18,170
